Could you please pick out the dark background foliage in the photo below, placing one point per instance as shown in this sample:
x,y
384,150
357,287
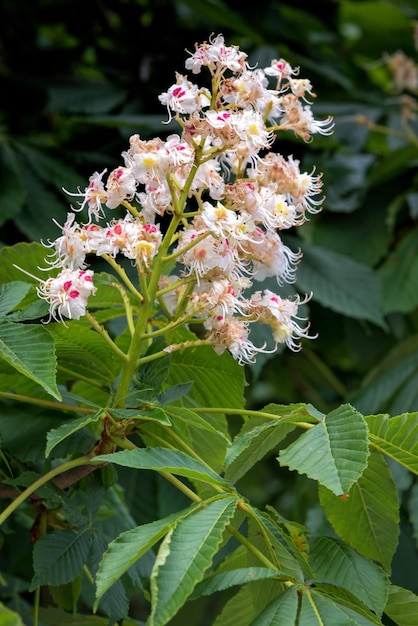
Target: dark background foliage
x,y
77,78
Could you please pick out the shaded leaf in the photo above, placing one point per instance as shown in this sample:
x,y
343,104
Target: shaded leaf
x,y
321,609
59,557
11,294
56,435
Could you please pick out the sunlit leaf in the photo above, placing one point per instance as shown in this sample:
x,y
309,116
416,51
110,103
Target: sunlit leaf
x,y
184,556
165,460
368,518
402,606
30,349
397,437
334,452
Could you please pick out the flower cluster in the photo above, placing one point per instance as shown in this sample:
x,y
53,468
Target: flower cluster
x,y
226,195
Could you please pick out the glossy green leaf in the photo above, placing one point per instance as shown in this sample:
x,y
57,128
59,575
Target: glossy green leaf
x,y
368,519
334,452
397,437
59,557
259,435
282,611
336,562
164,460
402,606
30,349
184,556
192,420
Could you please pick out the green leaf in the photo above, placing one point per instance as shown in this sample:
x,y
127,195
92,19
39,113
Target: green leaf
x,y
52,616
163,460
368,519
341,284
334,452
224,580
258,437
128,547
84,352
396,369
11,294
281,611
336,562
401,269
397,437
30,350
56,435
59,557
402,606
154,414
218,380
321,609
184,556
8,617
192,419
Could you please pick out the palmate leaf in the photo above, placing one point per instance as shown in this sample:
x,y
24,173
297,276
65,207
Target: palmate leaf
x,y
334,452
402,606
184,556
30,349
336,562
397,437
368,518
164,460
259,436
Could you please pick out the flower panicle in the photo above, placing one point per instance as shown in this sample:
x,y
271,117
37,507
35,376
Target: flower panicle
x,y
230,193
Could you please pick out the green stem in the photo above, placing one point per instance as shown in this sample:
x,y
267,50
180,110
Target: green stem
x,y
47,403
103,332
36,606
249,412
174,348
56,471
123,275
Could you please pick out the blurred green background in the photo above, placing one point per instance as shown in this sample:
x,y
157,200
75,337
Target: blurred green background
x,y
77,78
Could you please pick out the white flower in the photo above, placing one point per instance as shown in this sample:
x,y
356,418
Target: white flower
x,y
67,294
